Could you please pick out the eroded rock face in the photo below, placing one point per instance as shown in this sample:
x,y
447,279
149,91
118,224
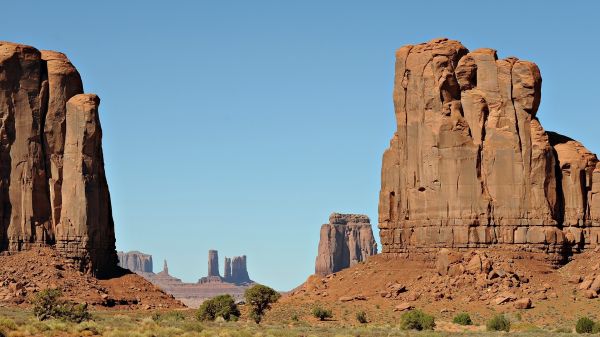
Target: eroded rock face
x,y
239,270
136,261
53,190
213,263
346,240
470,164
227,272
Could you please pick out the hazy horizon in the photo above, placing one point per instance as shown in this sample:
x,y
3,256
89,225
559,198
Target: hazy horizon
x,y
241,126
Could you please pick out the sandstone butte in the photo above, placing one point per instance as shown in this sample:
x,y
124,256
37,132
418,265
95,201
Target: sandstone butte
x,y
346,240
53,189
234,282
470,165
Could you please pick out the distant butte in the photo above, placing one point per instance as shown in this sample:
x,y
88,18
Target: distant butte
x,y
346,240
234,282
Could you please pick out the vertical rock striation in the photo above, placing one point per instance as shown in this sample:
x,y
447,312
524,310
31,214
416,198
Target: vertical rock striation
x,y
346,240
213,263
470,164
239,270
136,261
51,163
227,271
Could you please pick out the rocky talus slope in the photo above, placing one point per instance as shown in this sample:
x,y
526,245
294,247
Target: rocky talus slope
x,y
53,189
36,269
481,282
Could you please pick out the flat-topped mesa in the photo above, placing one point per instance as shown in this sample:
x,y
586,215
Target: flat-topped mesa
x,y
53,189
470,164
135,261
346,240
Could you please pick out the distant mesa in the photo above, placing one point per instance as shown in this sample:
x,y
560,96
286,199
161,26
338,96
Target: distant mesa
x,y
345,241
135,261
234,282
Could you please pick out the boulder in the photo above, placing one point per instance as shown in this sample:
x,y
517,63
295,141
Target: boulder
x,y
475,265
590,294
405,306
595,286
523,303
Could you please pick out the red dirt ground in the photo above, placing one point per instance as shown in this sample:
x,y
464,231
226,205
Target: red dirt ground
x,y
26,273
365,287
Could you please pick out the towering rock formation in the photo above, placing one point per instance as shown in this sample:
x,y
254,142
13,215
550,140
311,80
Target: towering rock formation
x,y
471,166
213,263
136,261
346,240
239,271
227,271
53,189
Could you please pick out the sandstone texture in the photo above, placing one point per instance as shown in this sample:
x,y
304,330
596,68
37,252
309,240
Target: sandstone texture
x,y
53,189
470,165
135,261
346,240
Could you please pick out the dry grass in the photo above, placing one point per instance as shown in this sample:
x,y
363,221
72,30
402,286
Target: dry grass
x,y
18,322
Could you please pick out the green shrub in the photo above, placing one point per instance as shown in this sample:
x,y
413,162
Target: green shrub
x,y
463,319
417,320
596,327
260,298
498,323
361,317
295,318
48,304
584,325
219,306
321,313
7,323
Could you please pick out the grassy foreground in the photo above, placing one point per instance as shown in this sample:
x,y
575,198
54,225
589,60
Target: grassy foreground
x,y
16,323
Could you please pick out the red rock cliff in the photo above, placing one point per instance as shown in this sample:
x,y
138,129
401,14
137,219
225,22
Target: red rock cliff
x,y
53,189
470,164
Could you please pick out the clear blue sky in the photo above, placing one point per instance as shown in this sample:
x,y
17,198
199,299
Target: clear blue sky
x,y
240,125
